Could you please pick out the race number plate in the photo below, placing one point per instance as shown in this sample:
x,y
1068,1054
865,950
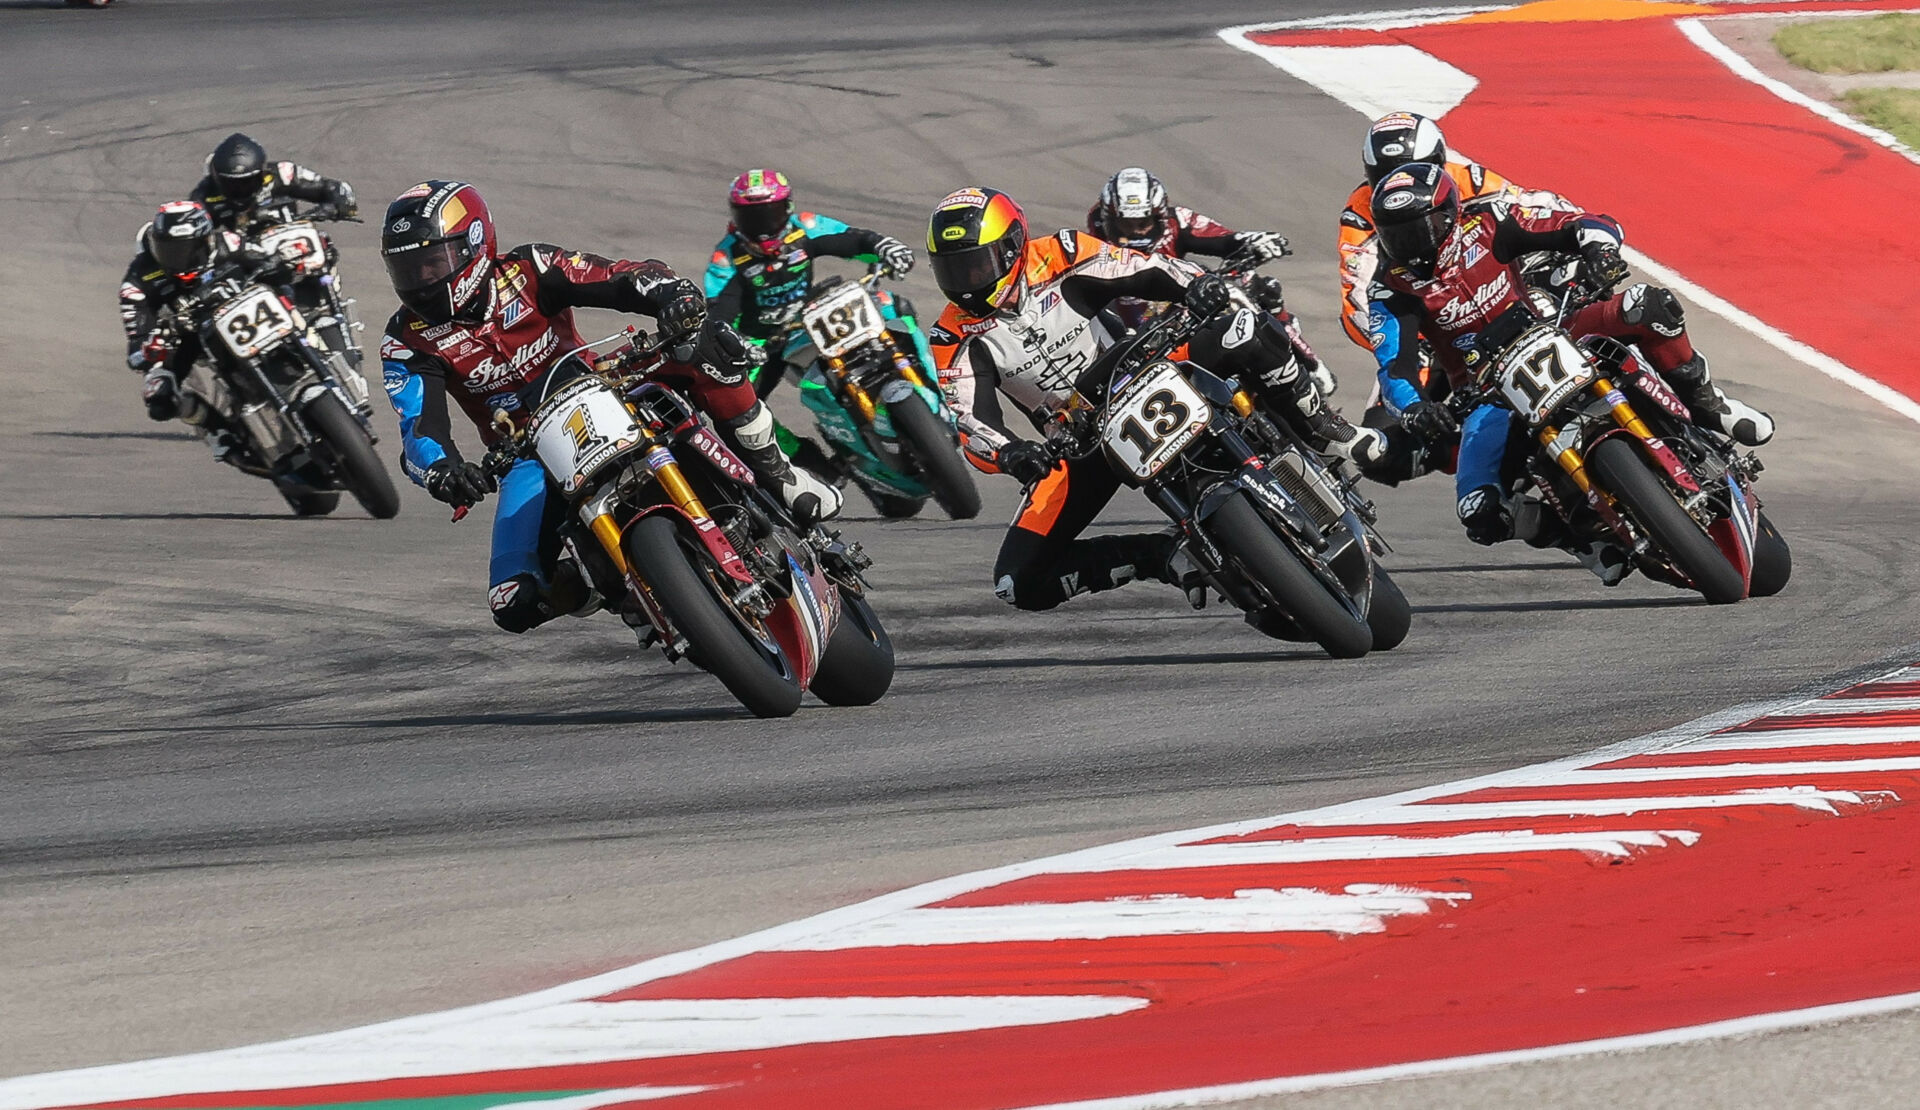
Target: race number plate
x,y
300,241
580,430
842,319
1149,423
253,321
1540,371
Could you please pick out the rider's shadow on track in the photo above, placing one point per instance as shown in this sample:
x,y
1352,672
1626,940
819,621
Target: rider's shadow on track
x,y
1029,662
147,516
172,436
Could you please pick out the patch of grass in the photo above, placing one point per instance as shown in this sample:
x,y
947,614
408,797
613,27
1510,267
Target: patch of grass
x,y
1871,44
1893,110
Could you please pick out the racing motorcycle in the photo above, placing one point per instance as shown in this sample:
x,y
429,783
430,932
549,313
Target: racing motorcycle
x,y
888,424
1261,517
669,529
301,412
1614,455
285,231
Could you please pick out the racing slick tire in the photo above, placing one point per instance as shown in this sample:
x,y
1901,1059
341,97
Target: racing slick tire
x,y
933,447
1772,560
359,467
857,667
1246,536
1621,470
721,640
1388,615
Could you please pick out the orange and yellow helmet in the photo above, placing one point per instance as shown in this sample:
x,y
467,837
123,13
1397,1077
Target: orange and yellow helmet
x,y
978,241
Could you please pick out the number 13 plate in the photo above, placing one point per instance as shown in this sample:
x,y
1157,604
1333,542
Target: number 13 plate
x,y
1153,420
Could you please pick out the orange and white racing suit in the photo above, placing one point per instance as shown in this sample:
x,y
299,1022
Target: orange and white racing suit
x,y
1031,355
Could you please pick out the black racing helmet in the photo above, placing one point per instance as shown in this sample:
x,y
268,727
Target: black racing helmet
x,y
1415,209
977,240
1400,139
239,166
180,238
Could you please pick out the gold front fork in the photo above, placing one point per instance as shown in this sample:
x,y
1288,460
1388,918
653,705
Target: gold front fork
x,y
1569,458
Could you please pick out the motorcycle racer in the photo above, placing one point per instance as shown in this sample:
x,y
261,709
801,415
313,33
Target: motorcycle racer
x,y
1133,211
241,187
1447,273
1023,321
177,250
486,327
761,271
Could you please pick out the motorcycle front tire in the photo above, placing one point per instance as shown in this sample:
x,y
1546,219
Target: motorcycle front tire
x,y
857,667
947,475
767,686
360,469
1239,529
1619,468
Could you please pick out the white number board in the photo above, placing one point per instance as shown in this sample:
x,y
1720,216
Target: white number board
x,y
1149,423
253,321
301,240
842,319
580,429
1540,371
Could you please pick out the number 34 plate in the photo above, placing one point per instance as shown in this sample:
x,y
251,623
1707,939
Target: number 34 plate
x,y
1153,420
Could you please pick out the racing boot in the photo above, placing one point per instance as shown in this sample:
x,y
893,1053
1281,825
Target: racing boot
x,y
1330,433
806,496
1608,562
1713,409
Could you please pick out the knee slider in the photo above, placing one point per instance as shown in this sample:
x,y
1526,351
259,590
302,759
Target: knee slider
x,y
1654,307
516,604
1025,591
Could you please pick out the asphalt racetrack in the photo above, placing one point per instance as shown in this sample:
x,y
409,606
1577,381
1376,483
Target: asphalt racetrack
x,y
261,776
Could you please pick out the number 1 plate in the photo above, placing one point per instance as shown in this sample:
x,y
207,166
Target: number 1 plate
x,y
1153,420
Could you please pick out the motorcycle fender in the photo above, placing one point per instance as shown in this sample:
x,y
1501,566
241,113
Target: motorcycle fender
x,y
710,446
804,621
1662,456
709,534
1735,534
1264,489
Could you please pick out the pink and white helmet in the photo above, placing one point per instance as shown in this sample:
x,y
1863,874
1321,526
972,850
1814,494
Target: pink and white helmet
x,y
762,204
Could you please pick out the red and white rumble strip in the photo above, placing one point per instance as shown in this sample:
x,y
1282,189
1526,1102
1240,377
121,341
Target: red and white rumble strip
x,y
1752,870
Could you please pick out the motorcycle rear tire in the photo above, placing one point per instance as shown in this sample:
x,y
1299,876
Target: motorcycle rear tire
x,y
360,469
932,446
1390,617
857,667
1772,560
1619,468
1244,534
722,647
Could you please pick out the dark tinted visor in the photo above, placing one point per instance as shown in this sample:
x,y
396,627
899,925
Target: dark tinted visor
x,y
1417,241
761,221
420,267
1137,227
244,186
181,256
970,269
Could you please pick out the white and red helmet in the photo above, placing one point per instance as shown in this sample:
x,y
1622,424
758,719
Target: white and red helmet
x,y
438,244
1401,139
180,238
1134,210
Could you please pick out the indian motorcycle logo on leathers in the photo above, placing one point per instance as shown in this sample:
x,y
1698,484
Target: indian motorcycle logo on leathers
x,y
1459,310
486,376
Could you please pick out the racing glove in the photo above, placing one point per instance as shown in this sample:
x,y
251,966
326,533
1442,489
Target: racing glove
x,y
460,484
684,311
345,205
161,392
154,352
896,256
1266,292
1605,264
1026,461
1262,246
1208,296
1430,420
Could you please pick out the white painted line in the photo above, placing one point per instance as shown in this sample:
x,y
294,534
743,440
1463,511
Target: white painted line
x,y
1853,705
1806,738
600,1098
1249,911
1741,770
1347,89
1696,31
1826,801
1737,1027
1258,853
554,1035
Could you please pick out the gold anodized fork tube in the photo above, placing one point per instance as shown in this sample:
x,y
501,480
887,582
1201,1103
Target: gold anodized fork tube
x,y
1623,411
608,533
1568,458
861,399
679,490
